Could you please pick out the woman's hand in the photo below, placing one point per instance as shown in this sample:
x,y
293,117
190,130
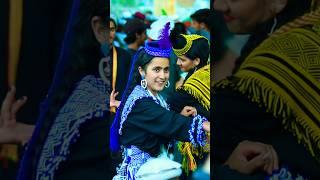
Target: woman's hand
x,y
17,133
113,101
206,126
10,106
189,110
10,130
251,156
179,83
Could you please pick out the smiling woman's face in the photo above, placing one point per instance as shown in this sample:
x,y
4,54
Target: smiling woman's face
x,y
243,16
185,64
156,74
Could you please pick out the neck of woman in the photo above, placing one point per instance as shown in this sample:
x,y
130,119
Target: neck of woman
x,y
153,93
133,46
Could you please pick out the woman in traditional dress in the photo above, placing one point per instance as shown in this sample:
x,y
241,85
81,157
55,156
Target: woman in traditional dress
x,y
193,53
144,124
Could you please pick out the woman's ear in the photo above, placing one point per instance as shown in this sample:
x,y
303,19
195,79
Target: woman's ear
x,y
99,31
138,36
196,61
141,71
203,25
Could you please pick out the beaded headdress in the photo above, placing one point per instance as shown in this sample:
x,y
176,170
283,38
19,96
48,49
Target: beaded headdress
x,y
186,48
161,47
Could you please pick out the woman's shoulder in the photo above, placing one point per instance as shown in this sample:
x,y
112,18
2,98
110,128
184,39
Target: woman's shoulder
x,y
90,94
198,86
137,95
296,47
90,89
94,80
292,37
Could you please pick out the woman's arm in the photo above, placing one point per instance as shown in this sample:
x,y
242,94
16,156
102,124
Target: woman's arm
x,y
151,117
179,99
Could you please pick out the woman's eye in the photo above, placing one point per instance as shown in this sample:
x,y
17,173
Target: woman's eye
x,y
182,60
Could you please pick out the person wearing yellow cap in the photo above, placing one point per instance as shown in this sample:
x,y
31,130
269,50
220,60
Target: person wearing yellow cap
x,y
192,52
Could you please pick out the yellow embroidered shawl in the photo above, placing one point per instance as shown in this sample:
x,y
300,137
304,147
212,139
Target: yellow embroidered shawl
x,y
282,75
198,86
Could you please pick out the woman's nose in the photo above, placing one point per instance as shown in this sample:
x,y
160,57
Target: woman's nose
x,y
178,62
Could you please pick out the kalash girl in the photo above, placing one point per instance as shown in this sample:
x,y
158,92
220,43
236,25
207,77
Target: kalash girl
x,y
144,126
193,57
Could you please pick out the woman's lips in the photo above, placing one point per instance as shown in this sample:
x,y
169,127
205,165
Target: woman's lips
x,y
228,18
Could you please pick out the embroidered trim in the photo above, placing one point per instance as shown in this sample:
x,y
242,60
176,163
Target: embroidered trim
x,y
137,93
157,52
201,135
198,86
279,76
196,147
133,159
189,39
87,101
197,135
191,137
284,174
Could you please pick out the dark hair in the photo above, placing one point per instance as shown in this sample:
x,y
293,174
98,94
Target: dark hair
x,y
114,22
219,35
79,57
199,49
141,59
179,28
203,16
131,37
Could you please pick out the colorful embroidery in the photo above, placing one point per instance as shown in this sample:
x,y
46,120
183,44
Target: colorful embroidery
x,y
87,101
280,75
201,135
284,174
137,94
196,147
133,159
196,133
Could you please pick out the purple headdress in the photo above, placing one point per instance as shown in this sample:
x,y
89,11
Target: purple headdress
x,y
161,47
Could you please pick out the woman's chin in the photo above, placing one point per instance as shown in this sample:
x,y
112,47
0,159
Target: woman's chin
x,y
160,88
183,69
